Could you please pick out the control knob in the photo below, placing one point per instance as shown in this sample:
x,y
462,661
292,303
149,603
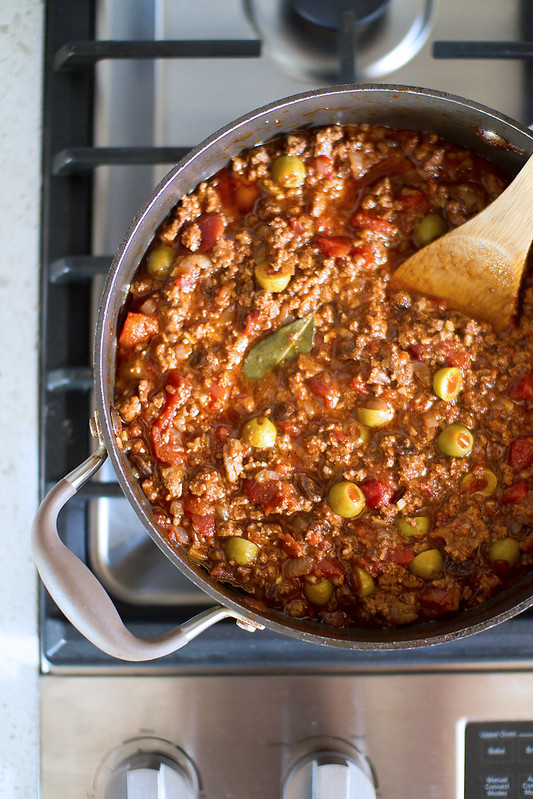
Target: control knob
x,y
326,773
152,775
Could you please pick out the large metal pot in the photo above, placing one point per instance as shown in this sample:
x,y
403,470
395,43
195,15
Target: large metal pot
x,y
74,588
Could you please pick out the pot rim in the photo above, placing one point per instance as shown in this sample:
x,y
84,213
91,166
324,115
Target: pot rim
x,y
254,128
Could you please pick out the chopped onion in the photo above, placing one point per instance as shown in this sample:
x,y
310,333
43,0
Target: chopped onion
x,y
297,567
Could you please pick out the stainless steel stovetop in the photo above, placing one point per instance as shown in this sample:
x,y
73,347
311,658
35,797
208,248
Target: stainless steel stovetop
x,y
247,721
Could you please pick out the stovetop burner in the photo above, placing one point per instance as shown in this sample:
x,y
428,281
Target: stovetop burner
x,y
329,15
342,41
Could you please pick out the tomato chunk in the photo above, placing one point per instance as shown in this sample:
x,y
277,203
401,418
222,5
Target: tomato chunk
x,y
329,567
201,517
167,445
236,193
335,246
377,493
268,494
413,198
402,554
364,219
321,165
137,328
521,453
523,390
322,386
436,601
292,547
515,493
211,229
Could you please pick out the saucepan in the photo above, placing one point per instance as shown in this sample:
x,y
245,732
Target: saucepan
x,y
75,589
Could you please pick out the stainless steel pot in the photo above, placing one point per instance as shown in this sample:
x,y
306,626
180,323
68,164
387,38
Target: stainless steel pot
x,y
73,587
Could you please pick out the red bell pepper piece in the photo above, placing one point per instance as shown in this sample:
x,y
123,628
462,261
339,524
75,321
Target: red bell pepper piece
x,y
137,328
521,453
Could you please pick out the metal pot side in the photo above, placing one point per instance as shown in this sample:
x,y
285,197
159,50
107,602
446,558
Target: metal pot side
x,y
494,136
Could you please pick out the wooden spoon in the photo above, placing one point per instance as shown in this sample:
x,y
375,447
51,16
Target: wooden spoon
x,y
478,266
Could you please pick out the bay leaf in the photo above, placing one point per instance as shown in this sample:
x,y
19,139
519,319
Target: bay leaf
x,y
279,348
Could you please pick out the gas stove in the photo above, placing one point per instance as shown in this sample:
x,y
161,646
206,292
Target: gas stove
x,y
128,90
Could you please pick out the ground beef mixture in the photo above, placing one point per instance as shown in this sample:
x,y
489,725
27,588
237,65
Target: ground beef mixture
x,y
335,447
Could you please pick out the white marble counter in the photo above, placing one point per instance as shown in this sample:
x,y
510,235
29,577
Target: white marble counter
x,y
21,42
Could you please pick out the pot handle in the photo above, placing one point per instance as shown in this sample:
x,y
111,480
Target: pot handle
x,y
83,599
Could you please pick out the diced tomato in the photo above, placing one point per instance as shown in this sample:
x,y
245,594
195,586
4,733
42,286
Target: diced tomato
x,y
268,494
364,219
358,384
245,196
340,435
187,274
235,192
523,390
335,246
527,543
296,225
137,329
321,165
515,493
252,323
292,548
521,453
168,448
328,225
322,386
329,567
417,351
454,356
211,229
219,392
402,554
365,253
163,521
413,198
222,433
377,493
200,515
436,601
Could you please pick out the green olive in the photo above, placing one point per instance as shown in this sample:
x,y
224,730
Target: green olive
x,y
413,526
346,499
505,549
455,440
429,228
159,261
484,484
288,171
240,550
259,432
427,564
448,383
319,593
375,413
364,581
358,433
272,281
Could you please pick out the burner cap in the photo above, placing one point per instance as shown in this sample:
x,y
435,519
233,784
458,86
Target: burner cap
x,y
301,36
328,14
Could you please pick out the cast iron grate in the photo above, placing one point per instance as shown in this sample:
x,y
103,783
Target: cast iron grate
x,y
68,269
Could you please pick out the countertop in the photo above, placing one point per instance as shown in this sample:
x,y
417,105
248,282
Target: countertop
x,y
21,44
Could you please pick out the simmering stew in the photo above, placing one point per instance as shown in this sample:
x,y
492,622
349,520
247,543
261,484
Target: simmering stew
x,y
307,430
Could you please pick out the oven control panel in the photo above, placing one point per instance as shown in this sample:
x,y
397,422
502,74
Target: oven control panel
x,y
499,760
